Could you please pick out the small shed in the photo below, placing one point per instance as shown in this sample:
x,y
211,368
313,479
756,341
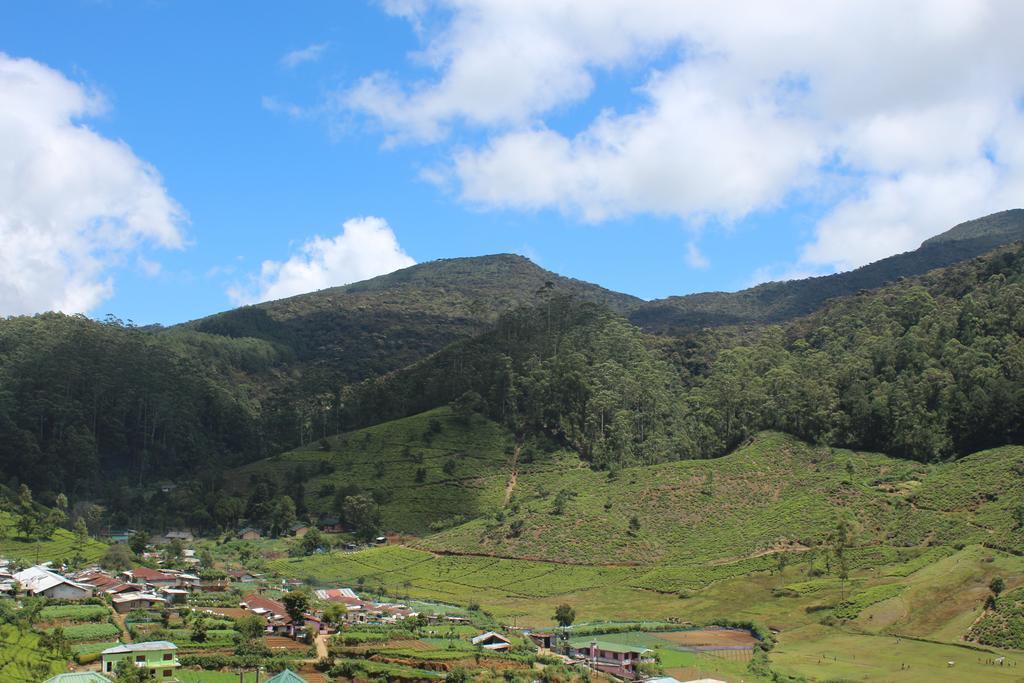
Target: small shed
x,y
493,641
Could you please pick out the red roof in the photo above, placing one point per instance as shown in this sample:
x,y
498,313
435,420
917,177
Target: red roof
x,y
254,602
147,574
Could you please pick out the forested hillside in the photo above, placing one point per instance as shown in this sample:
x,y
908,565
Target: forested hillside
x,y
83,401
779,301
927,368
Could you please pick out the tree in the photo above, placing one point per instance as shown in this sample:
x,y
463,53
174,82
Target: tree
x,y
125,672
117,557
199,629
997,585
362,514
251,626
283,516
421,475
174,550
138,542
565,615
1018,516
81,531
634,524
562,498
311,542
296,603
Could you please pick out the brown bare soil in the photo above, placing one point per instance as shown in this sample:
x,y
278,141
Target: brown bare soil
x,y
711,637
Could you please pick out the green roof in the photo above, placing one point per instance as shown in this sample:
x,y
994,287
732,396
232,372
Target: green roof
x,y
80,677
287,676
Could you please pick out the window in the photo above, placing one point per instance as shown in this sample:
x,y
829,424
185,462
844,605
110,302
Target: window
x,y
110,667
140,658
167,673
168,657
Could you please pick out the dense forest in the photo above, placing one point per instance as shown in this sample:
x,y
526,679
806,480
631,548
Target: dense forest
x,y
926,367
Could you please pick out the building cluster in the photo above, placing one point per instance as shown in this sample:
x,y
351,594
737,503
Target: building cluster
x,y
362,611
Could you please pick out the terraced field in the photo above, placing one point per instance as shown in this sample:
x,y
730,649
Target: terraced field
x,y
22,660
62,545
407,459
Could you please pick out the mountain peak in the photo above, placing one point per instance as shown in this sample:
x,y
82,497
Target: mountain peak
x,y
1001,227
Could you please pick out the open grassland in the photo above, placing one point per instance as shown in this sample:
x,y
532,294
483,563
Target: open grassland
x,y
820,653
62,545
21,658
405,462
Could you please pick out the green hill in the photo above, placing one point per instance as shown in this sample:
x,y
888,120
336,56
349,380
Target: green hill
x,y
62,545
403,465
368,328
779,301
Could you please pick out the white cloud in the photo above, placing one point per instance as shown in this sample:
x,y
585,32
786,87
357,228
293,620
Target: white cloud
x,y
694,258
366,247
914,106
72,203
311,53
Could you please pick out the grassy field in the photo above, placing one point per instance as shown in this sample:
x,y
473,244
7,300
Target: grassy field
x,y
821,653
63,545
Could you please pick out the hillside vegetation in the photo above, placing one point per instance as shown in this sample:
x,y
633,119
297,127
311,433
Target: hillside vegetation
x,y
430,470
774,302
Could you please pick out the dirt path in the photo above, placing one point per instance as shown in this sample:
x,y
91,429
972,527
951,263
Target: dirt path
x,y
514,477
126,635
321,646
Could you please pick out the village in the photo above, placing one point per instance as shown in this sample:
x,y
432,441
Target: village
x,y
183,616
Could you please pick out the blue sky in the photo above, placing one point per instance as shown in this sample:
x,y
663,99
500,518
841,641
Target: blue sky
x,y
654,152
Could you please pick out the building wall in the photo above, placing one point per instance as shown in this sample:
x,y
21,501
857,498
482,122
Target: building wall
x,y
66,592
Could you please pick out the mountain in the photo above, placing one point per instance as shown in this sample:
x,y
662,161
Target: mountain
x,y
372,327
777,301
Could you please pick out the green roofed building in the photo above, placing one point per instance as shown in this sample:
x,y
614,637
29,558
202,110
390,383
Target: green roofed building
x,y
287,676
78,677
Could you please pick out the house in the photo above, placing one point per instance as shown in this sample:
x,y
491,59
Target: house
x,y
493,641
242,576
330,524
183,536
126,602
78,677
249,534
176,596
120,535
346,595
273,611
189,581
544,641
40,580
298,530
611,658
152,577
287,676
159,657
